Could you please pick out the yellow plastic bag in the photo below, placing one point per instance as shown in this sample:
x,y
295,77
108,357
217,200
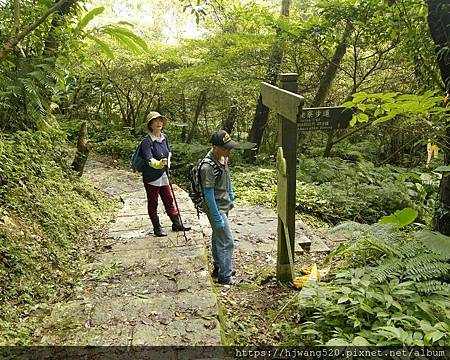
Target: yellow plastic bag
x,y
312,275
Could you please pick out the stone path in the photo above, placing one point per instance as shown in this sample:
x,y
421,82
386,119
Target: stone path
x,y
144,290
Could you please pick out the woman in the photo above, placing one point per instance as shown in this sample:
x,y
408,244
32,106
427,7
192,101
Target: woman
x,y
156,151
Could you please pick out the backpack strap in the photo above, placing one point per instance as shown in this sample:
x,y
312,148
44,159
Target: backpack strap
x,y
168,142
151,144
216,169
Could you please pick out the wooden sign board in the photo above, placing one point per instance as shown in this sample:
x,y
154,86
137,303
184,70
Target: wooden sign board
x,y
281,101
324,118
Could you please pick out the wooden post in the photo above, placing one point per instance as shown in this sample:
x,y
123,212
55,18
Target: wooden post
x,y
287,104
287,140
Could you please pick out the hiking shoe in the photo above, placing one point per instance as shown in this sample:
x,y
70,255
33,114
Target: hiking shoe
x,y
226,282
177,225
215,272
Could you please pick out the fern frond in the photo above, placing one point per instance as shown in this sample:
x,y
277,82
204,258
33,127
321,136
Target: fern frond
x,y
433,286
349,226
410,249
42,78
425,267
390,267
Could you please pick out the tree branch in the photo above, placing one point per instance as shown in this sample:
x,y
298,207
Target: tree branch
x,y
16,16
16,38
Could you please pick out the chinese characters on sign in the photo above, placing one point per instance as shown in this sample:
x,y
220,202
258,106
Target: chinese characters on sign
x,y
324,118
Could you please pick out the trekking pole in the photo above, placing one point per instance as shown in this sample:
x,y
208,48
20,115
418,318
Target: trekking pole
x,y
176,204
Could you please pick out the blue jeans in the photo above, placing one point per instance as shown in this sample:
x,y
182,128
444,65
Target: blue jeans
x,y
222,247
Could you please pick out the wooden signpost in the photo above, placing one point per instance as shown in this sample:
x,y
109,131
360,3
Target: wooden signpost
x,y
288,105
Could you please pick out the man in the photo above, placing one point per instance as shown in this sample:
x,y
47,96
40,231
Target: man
x,y
219,200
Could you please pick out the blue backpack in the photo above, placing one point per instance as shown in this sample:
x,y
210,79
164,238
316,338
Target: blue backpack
x,y
137,161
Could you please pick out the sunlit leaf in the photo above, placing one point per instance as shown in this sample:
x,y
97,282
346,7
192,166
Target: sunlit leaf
x,y
400,218
89,16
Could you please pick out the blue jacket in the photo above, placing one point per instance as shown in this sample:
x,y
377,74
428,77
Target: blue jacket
x,y
154,150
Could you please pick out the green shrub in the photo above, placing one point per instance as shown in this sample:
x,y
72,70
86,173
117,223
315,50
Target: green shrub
x,y
387,288
45,213
254,185
336,190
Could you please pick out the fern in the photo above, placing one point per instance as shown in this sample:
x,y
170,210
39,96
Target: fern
x,y
410,249
433,286
425,267
366,244
49,70
389,268
383,253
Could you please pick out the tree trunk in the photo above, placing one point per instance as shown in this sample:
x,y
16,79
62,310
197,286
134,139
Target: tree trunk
x,y
442,214
330,73
14,38
16,17
200,102
184,116
83,148
439,24
330,143
262,112
327,81
230,121
51,43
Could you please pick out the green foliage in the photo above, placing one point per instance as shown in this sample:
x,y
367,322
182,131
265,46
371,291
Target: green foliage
x,y
89,16
255,185
400,218
385,289
435,241
341,190
386,106
27,91
335,190
45,212
119,148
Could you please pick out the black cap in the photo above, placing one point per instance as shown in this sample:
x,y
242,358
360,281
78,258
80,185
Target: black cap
x,y
221,138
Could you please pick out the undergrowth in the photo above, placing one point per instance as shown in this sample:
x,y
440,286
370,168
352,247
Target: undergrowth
x,y
335,190
387,287
46,213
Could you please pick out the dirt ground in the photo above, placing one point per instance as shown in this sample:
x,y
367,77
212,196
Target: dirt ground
x,y
253,307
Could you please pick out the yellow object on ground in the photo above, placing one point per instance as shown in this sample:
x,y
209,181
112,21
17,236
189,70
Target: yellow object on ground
x,y
433,151
312,275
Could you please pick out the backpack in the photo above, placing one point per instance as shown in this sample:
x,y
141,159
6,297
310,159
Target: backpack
x,y
195,182
137,161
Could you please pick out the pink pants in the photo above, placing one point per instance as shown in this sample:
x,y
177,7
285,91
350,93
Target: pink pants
x,y
166,197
